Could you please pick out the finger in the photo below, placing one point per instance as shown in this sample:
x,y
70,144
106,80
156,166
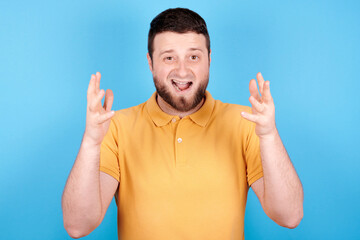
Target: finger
x,y
250,117
253,90
91,86
96,100
260,80
255,104
97,83
109,98
267,94
104,117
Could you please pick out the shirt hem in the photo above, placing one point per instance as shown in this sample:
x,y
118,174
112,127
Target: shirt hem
x,y
110,172
255,177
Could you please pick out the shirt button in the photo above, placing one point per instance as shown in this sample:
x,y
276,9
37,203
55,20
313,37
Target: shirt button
x,y
173,120
179,140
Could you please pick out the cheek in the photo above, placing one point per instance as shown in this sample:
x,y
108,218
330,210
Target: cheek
x,y
202,70
164,70
161,73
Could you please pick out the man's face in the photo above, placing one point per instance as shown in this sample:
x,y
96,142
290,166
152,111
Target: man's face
x,y
180,68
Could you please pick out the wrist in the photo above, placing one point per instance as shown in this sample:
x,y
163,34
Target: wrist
x,y
89,142
270,136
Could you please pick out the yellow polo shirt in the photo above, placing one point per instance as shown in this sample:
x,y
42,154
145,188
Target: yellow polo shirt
x,y
181,178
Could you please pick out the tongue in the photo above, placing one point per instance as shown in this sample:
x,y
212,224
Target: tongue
x,y
183,86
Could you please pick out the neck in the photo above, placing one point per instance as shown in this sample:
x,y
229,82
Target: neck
x,y
166,108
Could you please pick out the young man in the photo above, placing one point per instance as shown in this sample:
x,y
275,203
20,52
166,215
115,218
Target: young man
x,y
180,164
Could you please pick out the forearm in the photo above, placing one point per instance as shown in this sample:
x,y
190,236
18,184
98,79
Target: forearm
x,y
283,193
81,201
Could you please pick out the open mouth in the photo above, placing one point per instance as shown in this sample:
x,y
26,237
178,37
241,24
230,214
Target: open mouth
x,y
181,86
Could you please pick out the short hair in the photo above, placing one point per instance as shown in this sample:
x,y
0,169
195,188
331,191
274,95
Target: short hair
x,y
179,20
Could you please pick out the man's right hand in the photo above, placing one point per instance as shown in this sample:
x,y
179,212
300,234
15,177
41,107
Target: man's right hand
x,y
88,191
97,116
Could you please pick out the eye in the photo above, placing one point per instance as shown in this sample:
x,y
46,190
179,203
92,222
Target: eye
x,y
194,57
168,59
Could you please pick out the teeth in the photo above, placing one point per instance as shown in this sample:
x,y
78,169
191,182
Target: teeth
x,y
181,83
177,88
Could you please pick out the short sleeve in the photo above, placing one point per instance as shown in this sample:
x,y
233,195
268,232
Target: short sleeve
x,y
109,152
252,155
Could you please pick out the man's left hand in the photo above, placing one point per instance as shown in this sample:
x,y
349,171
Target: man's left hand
x,y
263,108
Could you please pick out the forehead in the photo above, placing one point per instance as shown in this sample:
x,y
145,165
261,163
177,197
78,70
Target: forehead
x,y
166,41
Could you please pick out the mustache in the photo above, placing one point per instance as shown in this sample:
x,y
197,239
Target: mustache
x,y
174,75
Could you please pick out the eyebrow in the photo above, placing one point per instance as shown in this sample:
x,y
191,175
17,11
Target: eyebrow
x,y
196,49
166,51
171,50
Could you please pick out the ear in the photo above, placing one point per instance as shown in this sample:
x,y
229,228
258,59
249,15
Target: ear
x,y
209,57
149,61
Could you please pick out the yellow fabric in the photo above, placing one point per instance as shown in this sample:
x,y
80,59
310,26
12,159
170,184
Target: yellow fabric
x,y
181,178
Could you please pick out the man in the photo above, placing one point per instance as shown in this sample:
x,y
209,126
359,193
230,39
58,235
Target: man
x,y
180,164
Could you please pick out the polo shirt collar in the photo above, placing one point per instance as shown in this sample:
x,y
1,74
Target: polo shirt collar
x,y
160,118
202,116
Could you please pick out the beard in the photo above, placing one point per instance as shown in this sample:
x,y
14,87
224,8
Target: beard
x,y
181,103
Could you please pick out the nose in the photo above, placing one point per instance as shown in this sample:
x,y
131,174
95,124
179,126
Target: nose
x,y
182,69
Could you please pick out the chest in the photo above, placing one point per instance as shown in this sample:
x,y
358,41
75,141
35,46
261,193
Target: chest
x,y
182,174
185,158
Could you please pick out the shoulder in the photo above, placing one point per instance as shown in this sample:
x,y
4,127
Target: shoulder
x,y
230,114
230,109
128,115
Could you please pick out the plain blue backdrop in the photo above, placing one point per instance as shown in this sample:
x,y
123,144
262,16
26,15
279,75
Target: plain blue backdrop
x,y
309,50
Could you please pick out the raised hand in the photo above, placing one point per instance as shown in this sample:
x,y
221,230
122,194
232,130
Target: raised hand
x,y
263,108
97,116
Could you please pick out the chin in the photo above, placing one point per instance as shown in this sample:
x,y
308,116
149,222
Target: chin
x,y
181,98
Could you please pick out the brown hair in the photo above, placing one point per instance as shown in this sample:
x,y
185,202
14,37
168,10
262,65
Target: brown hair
x,y
179,20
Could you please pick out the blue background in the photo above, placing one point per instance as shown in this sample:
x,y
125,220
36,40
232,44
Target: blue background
x,y
309,50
